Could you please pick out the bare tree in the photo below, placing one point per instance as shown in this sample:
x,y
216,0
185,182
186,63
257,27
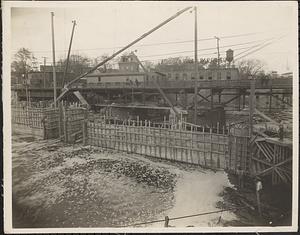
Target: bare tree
x,y
78,64
148,64
107,66
251,67
24,62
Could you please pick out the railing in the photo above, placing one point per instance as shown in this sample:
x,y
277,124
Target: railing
x,y
279,83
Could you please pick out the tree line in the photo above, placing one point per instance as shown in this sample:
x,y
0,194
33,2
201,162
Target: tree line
x,y
24,62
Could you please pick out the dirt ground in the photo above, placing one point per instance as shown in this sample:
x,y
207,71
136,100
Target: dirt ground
x,y
58,185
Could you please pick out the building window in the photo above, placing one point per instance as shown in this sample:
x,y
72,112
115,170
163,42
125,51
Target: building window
x,y
201,77
193,76
209,75
228,75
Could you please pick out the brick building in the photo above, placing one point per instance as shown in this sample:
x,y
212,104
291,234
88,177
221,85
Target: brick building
x,y
187,72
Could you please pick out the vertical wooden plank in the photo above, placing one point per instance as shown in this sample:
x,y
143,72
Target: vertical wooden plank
x,y
211,148
84,133
160,142
130,135
154,141
180,144
103,133
95,132
66,129
150,138
100,129
126,136
191,146
141,136
108,134
236,147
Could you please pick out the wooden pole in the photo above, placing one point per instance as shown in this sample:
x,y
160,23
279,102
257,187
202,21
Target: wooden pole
x,y
211,98
44,71
270,101
252,106
196,65
211,148
68,57
53,54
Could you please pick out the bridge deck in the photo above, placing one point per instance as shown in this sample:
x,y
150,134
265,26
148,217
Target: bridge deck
x,y
187,85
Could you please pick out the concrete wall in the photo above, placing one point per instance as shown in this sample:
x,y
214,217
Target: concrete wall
x,y
208,117
144,114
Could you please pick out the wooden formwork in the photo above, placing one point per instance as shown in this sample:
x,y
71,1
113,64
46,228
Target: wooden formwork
x,y
62,122
238,153
207,149
70,123
272,157
37,121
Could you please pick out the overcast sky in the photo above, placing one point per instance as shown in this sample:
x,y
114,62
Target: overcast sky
x,y
103,26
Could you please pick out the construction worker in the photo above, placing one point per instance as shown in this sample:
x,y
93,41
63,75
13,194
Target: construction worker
x,y
240,174
258,188
280,130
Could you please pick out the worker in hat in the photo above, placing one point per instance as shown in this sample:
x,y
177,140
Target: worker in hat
x,y
258,187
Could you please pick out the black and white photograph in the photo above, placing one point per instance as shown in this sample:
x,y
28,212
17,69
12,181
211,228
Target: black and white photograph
x,y
150,116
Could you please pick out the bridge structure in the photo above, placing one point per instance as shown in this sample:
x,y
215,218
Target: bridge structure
x,y
237,90
266,157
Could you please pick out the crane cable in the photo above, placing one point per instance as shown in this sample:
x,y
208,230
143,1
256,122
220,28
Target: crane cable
x,y
261,47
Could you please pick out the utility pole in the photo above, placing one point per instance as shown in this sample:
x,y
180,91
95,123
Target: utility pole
x,y
53,65
196,66
218,48
68,57
251,105
45,58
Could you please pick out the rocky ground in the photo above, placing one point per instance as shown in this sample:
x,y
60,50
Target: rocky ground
x,y
58,185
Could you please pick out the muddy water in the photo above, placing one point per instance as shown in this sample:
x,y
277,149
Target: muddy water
x,y
70,186
197,192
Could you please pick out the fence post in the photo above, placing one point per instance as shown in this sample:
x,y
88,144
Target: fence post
x,y
166,221
211,148
84,128
44,127
66,129
60,119
84,132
